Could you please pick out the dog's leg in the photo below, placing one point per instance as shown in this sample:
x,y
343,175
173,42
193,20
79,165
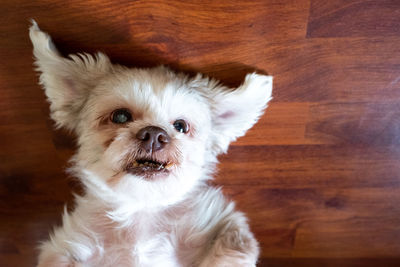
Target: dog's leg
x,y
58,261
71,245
234,245
51,258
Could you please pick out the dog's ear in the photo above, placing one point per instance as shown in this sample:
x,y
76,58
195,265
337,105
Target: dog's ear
x,y
234,111
67,81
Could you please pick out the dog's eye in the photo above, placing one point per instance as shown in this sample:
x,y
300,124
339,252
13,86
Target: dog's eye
x,y
121,116
181,126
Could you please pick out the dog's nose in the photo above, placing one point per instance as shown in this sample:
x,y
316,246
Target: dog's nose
x,y
152,138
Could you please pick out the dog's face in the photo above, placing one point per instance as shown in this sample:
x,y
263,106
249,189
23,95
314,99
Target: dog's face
x,y
149,125
145,123
150,133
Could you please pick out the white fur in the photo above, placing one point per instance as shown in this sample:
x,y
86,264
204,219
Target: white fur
x,y
129,220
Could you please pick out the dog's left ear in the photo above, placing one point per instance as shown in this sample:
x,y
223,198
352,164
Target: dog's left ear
x,y
67,81
236,111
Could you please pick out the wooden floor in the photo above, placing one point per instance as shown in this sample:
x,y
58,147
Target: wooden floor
x,y
318,176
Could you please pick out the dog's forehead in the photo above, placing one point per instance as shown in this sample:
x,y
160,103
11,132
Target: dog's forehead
x,y
153,92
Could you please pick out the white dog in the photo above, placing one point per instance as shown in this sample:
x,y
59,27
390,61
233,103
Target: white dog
x,y
148,141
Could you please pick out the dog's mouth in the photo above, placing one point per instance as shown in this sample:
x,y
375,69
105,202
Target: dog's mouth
x,y
148,167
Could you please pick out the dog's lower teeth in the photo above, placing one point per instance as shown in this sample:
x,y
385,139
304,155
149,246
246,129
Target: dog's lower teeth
x,y
148,164
169,165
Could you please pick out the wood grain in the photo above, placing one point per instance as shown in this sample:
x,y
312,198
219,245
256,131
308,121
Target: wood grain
x,y
318,176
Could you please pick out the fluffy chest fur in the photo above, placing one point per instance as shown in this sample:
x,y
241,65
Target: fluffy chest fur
x,y
179,235
147,242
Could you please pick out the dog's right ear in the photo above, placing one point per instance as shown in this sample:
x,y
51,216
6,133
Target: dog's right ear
x,y
67,81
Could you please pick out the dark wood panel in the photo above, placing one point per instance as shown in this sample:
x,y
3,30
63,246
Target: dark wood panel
x,y
337,69
356,123
362,123
319,166
329,222
328,262
354,18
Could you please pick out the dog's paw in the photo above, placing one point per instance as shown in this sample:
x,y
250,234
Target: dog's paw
x,y
233,249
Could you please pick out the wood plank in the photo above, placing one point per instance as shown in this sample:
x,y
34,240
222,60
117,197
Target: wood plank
x,y
317,165
362,123
354,18
327,262
329,222
359,123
